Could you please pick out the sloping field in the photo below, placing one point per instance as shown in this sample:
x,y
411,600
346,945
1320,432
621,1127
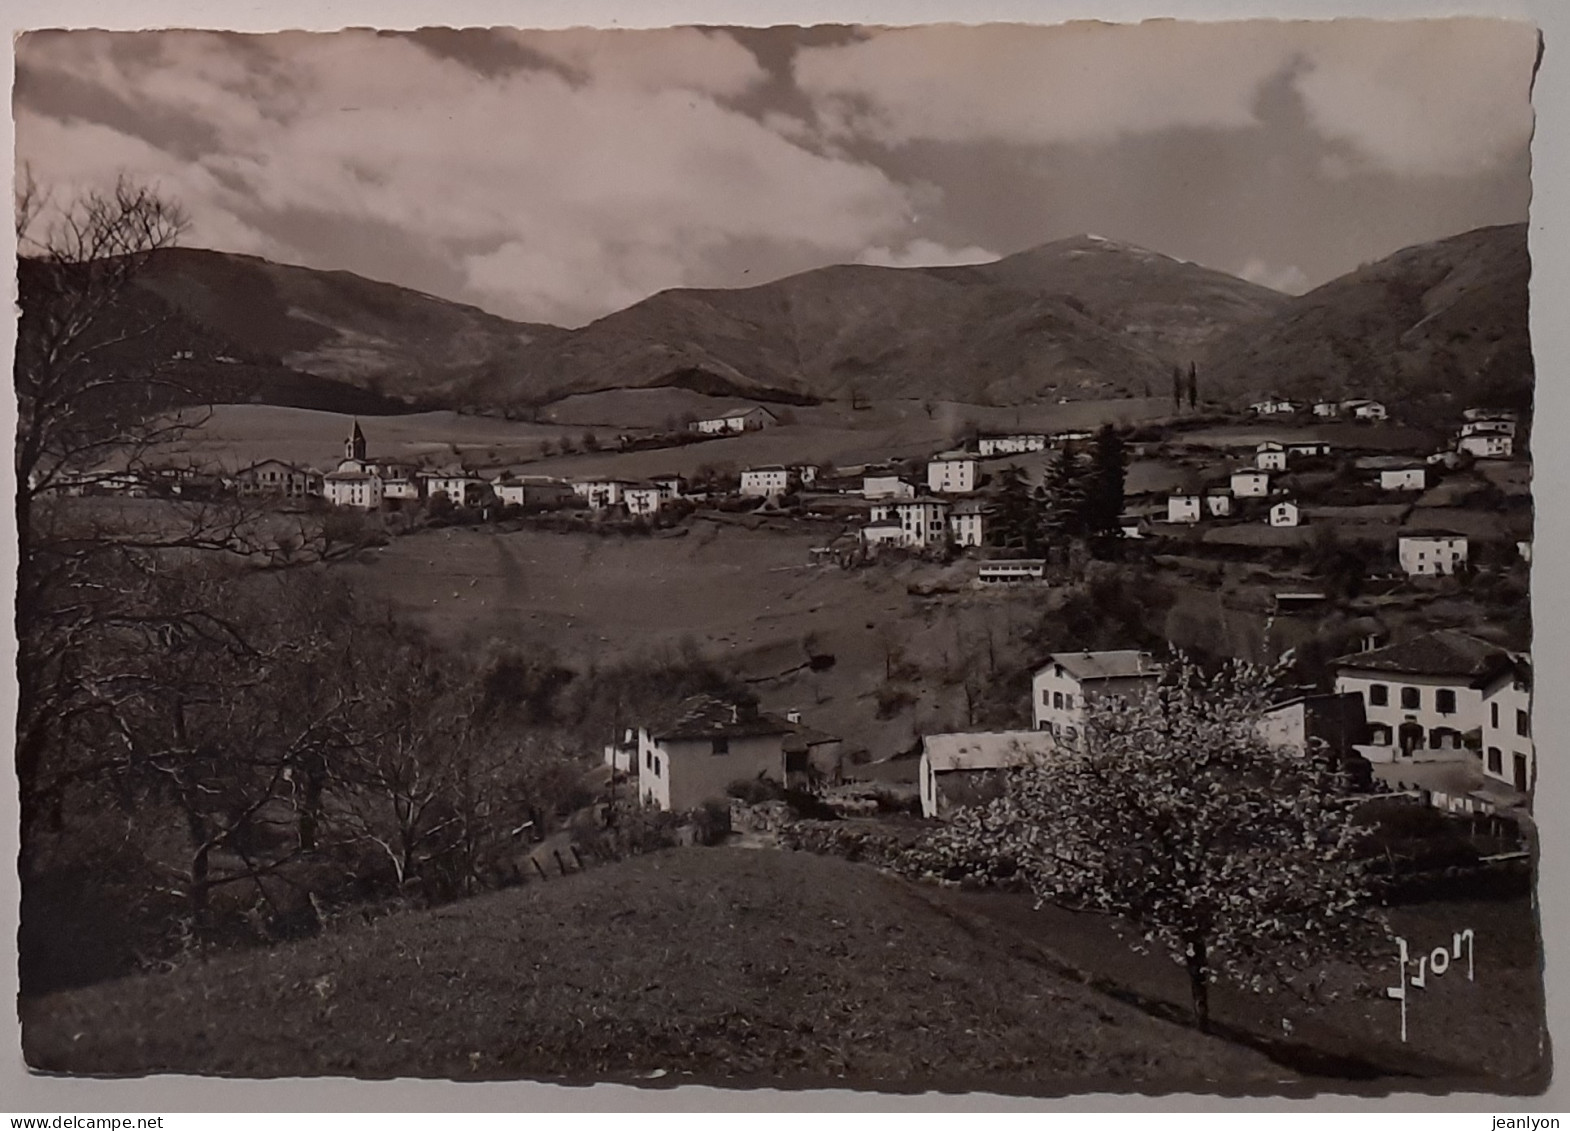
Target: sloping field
x,y
697,964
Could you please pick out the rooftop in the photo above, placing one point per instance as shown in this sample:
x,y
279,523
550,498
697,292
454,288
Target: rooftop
x,y
1448,652
997,750
706,716
1429,532
1106,665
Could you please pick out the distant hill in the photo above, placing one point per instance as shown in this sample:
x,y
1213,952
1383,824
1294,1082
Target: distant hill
x,y
1080,318
1446,320
338,325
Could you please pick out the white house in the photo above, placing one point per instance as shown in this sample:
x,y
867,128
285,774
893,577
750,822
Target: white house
x,y
1488,426
1272,405
1327,408
1421,697
463,488
275,477
765,482
1250,483
707,745
737,420
361,489
405,487
1430,553
1285,513
1006,570
884,532
1508,753
601,493
924,521
1182,508
641,499
960,770
1360,409
951,473
1060,687
1271,456
669,486
1015,443
967,522
886,487
1487,445
1406,477
1309,448
1218,502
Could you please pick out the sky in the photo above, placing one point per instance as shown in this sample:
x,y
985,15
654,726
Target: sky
x,y
560,176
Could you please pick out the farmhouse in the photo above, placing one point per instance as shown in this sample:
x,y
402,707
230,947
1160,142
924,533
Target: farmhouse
x,y
967,522
886,487
960,770
1360,409
1250,483
1422,698
737,420
1488,426
641,499
924,520
274,477
1309,448
951,473
1431,553
1404,477
1272,405
765,482
1183,508
1059,689
885,532
1487,445
404,487
1327,408
601,493
1012,569
1218,502
669,486
1508,753
1271,456
1334,723
462,488
703,747
361,489
531,490
1285,513
1014,443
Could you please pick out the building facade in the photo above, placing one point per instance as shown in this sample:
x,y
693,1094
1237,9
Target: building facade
x,y
1431,553
1060,688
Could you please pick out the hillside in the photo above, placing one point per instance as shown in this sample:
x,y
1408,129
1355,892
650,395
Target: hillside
x,y
1442,319
1079,318
335,324
696,964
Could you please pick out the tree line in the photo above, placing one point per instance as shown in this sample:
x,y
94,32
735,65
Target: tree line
x,y
1079,501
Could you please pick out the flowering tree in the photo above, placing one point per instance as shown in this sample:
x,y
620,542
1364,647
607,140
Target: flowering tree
x,y
1233,857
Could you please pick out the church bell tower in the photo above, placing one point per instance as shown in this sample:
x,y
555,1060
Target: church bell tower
x,y
354,446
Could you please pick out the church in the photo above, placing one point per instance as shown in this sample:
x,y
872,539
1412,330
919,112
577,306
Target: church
x,y
357,482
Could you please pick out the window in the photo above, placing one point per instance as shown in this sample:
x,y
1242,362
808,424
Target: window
x,y
1523,723
1068,701
1496,763
648,759
1057,699
656,767
1493,715
722,746
1046,697
1379,736
1445,701
1378,695
1411,698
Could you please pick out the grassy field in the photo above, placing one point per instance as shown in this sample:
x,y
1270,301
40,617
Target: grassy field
x,y
1343,436
813,972
746,598
1489,1033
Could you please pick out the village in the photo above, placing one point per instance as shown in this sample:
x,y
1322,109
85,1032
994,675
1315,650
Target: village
x,y
1440,716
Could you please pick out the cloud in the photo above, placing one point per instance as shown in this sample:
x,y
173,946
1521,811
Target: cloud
x,y
926,253
1290,280
562,196
1445,97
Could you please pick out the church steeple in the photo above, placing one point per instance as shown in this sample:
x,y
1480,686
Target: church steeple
x,y
354,446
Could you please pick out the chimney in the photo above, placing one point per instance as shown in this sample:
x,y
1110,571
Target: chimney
x,y
793,715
